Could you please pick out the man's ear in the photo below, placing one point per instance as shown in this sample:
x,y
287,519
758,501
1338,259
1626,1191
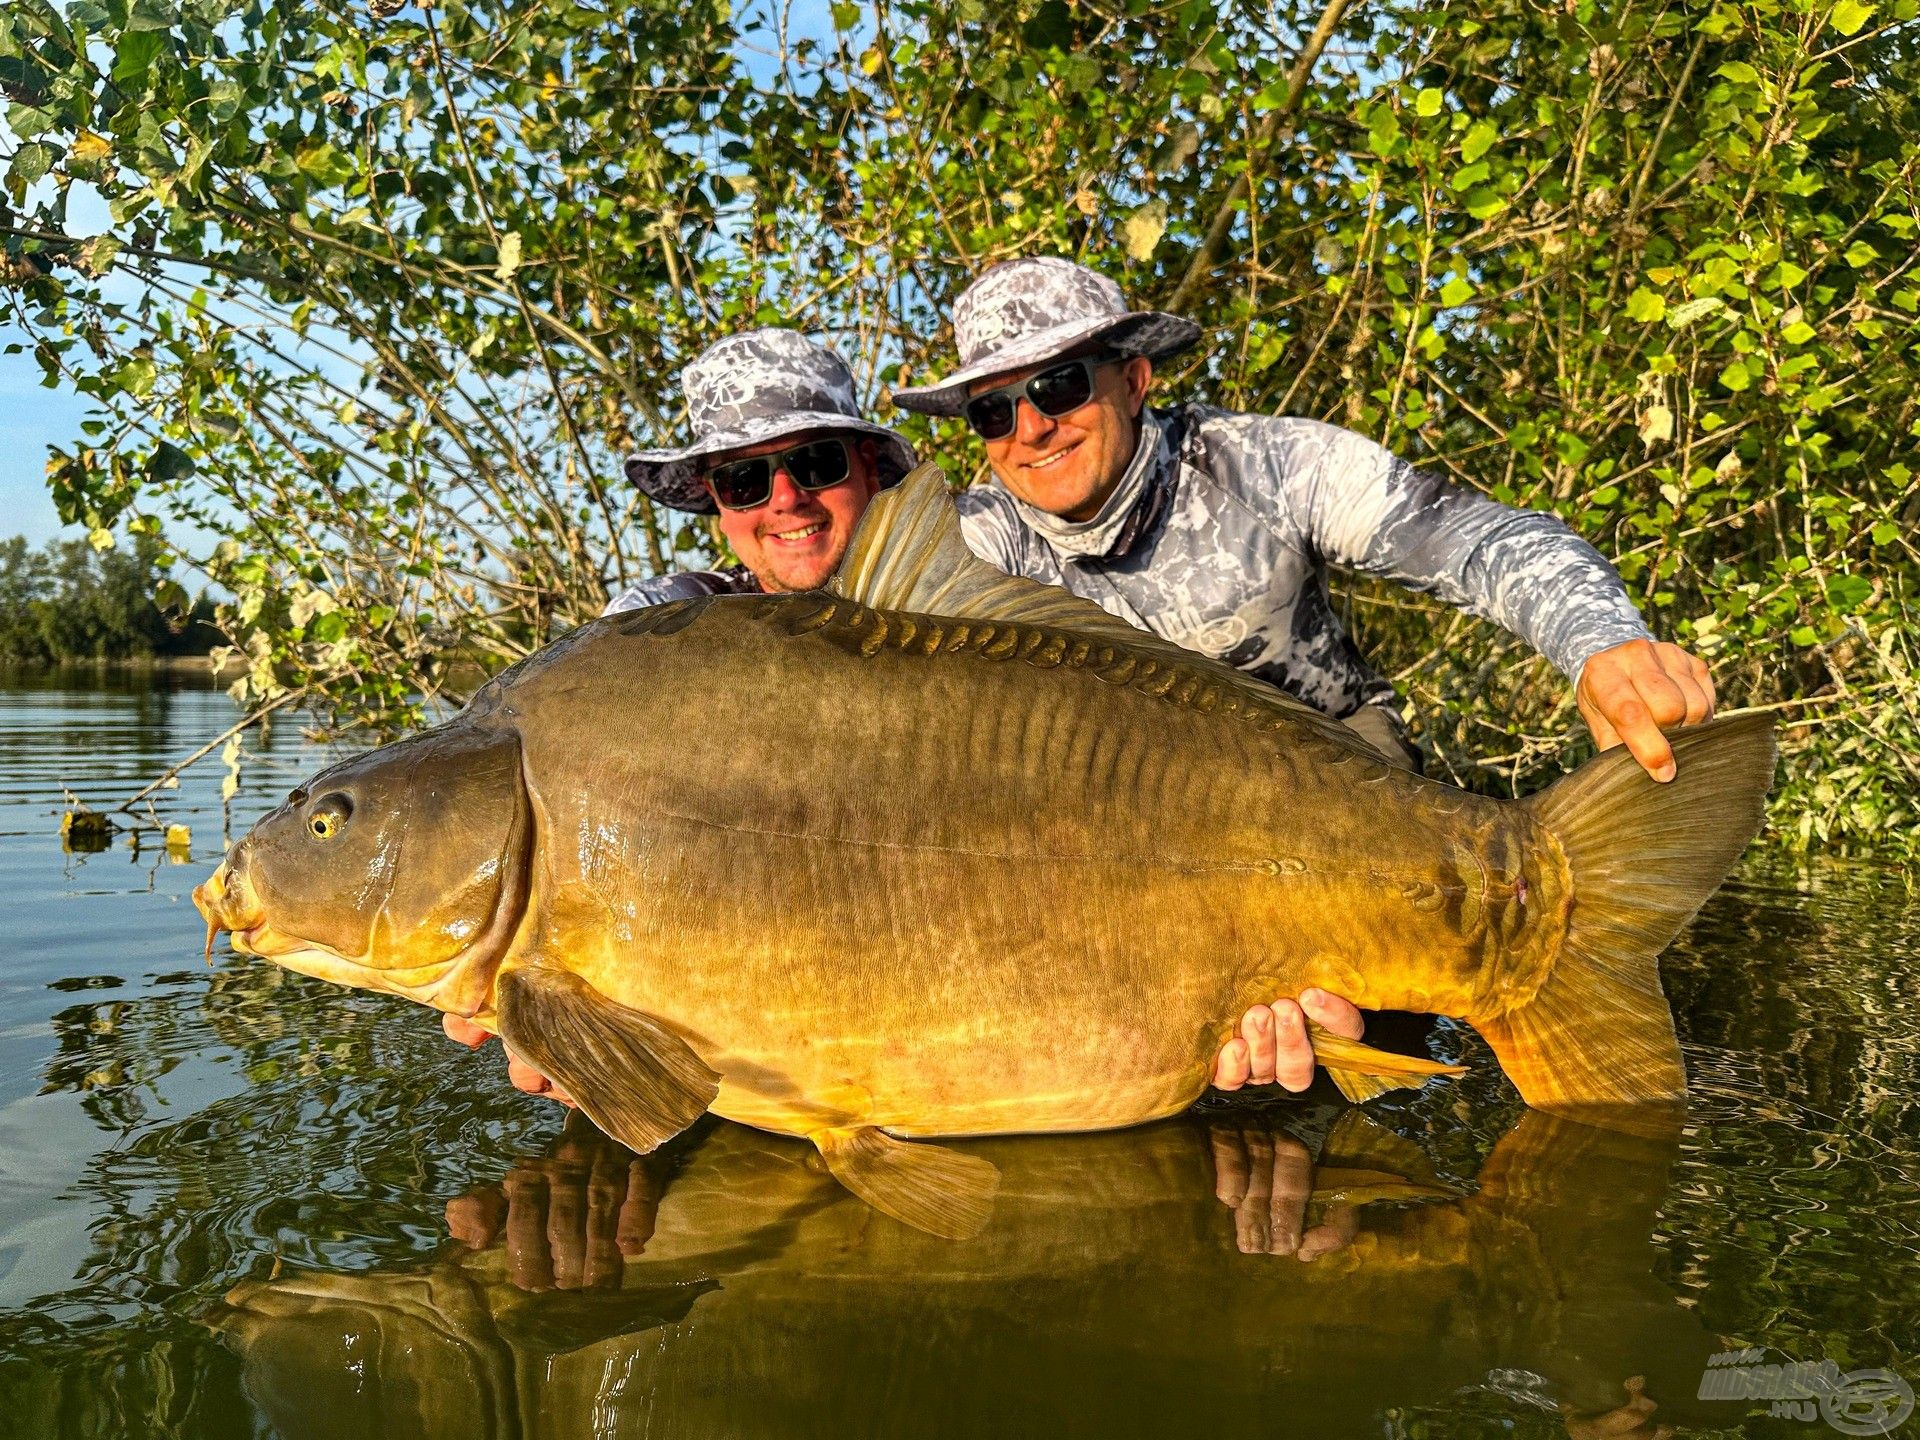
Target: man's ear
x,y
1139,375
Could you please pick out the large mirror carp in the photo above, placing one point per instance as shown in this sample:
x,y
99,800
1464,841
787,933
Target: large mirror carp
x,y
938,851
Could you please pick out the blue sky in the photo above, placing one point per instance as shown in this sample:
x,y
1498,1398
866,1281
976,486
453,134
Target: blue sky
x,y
32,419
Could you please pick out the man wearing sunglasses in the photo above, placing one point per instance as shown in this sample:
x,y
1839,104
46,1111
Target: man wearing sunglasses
x,y
783,456
1216,530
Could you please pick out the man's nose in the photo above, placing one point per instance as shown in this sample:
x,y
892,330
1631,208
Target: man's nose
x,y
785,495
1030,426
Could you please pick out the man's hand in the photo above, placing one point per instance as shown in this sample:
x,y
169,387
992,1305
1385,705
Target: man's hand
x,y
524,1077
1266,1178
1272,1045
1630,693
570,1221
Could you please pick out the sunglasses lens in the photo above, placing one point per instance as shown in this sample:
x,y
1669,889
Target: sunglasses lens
x,y
1063,388
819,465
991,416
742,484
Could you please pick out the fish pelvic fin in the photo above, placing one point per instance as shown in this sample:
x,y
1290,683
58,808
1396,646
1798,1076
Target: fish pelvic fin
x,y
1642,857
633,1076
1362,1072
929,1187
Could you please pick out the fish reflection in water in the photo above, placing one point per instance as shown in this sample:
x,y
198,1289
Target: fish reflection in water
x,y
1203,1274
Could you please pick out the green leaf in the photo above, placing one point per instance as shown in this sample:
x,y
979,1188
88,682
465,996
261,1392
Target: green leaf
x,y
323,164
1456,292
169,463
135,53
1797,333
1428,103
1735,376
31,163
1847,593
26,121
327,628
1739,72
1479,139
1681,316
1786,275
1804,635
1383,131
1484,204
151,15
1646,305
1885,532
1860,254
137,377
1849,15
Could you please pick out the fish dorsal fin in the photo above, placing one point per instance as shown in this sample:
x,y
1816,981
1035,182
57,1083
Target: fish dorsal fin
x,y
908,554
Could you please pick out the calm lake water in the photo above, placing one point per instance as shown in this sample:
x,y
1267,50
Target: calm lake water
x,y
235,1202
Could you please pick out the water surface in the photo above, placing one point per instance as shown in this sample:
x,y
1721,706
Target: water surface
x,y
236,1202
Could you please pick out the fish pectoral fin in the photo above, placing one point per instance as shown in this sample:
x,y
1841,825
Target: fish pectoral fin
x,y
928,1187
1363,1072
635,1078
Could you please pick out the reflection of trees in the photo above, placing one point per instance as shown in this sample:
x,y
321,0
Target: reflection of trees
x,y
1792,990
349,1108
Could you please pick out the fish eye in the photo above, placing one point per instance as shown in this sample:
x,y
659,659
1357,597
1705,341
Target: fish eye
x,y
329,816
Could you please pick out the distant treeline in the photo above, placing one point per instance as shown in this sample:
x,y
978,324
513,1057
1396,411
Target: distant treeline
x,y
68,601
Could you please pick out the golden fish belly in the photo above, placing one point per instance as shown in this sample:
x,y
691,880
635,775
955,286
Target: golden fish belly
x,y
952,893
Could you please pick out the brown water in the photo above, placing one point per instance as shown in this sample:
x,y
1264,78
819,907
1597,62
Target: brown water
x,y
226,1191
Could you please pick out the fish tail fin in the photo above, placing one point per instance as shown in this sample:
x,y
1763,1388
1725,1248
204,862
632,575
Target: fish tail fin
x,y
1643,857
928,1187
1362,1072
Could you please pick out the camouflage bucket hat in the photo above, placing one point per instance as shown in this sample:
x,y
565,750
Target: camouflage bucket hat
x,y
751,388
1023,312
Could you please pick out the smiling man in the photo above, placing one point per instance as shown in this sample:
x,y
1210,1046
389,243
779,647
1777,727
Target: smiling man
x,y
1217,529
781,454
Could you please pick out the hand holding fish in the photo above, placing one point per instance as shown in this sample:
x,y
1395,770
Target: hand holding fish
x,y
462,1031
1265,1177
1632,692
1272,1046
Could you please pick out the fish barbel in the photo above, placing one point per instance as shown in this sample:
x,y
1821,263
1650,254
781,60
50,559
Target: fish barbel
x,y
941,851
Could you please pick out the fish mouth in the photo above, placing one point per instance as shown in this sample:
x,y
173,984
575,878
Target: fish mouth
x,y
225,902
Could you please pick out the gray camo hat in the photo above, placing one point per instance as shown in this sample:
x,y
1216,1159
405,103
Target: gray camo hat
x,y
753,387
1022,312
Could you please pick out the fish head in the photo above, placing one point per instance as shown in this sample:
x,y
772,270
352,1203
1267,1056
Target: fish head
x,y
404,869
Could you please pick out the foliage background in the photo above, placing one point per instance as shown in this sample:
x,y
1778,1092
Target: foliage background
x,y
386,290
69,601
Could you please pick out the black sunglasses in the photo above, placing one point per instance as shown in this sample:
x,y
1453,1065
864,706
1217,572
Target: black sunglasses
x,y
1053,392
748,484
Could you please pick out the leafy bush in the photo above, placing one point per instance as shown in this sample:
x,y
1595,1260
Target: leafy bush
x,y
403,285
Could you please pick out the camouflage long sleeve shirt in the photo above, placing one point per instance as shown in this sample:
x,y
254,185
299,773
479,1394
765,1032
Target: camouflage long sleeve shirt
x,y
684,585
1222,531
